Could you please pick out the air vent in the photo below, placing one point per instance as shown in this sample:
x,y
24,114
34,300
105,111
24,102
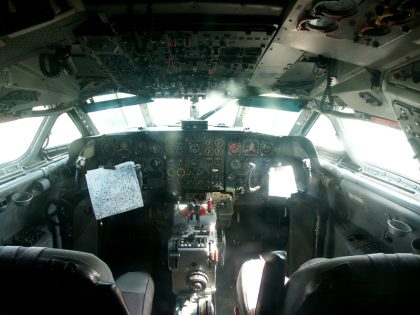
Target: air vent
x,y
20,96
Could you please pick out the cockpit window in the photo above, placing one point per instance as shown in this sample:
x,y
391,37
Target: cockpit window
x,y
17,137
166,112
118,119
382,146
217,110
226,116
270,121
323,135
63,132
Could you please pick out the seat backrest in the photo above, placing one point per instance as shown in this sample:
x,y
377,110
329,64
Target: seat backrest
x,y
260,284
37,280
365,284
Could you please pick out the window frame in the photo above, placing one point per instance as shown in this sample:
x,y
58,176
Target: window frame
x,y
35,156
62,149
330,152
32,150
377,172
361,167
49,134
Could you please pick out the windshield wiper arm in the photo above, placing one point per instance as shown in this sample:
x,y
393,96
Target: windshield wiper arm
x,y
213,111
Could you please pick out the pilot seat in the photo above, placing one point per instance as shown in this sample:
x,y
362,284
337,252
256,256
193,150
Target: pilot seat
x,y
37,280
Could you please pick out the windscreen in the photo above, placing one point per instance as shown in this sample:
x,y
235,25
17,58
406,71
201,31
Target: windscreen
x,y
218,111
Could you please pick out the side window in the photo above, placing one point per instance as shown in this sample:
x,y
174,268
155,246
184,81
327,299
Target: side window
x,y
17,137
382,146
63,132
323,135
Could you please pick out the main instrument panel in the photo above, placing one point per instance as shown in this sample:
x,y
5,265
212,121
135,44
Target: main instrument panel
x,y
197,160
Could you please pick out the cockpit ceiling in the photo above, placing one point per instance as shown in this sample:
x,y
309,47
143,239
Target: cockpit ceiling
x,y
69,52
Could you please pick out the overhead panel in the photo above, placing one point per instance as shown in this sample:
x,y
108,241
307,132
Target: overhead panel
x,y
278,59
360,32
177,55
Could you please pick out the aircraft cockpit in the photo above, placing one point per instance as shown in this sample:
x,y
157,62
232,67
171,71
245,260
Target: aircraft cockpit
x,y
209,157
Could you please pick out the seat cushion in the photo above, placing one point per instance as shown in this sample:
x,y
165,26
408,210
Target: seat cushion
x,y
137,289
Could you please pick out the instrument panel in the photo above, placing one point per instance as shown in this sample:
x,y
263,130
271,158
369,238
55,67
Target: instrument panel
x,y
196,160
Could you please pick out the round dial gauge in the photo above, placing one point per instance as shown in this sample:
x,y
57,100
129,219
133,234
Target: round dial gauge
x,y
194,148
155,148
123,147
235,164
140,147
218,142
266,148
218,151
143,163
171,172
234,148
108,148
218,161
155,163
208,142
249,147
180,172
208,151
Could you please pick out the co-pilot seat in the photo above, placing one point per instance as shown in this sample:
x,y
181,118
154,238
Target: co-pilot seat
x,y
260,284
375,284
36,280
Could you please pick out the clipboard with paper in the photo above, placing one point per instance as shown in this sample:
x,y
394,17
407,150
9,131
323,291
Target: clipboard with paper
x,y
114,191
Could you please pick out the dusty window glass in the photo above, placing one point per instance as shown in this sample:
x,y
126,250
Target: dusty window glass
x,y
270,121
118,119
16,137
63,132
382,146
322,134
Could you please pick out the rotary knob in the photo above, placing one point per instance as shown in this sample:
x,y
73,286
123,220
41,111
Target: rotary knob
x,y
198,281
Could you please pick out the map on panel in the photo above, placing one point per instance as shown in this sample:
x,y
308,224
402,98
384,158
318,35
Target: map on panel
x,y
114,191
